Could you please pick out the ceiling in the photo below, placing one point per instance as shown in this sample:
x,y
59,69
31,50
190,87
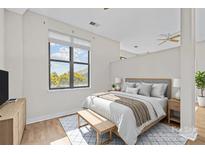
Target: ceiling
x,y
20,11
131,27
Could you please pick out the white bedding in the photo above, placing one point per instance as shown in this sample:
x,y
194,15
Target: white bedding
x,y
123,116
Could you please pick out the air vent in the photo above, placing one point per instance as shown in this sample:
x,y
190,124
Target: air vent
x,y
94,24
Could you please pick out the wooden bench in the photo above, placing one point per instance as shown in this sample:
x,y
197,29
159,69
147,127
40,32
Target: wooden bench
x,y
100,124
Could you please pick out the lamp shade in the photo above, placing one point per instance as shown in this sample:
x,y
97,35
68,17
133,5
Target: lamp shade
x,y
117,80
176,83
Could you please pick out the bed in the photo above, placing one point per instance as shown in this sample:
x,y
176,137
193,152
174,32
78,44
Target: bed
x,y
130,122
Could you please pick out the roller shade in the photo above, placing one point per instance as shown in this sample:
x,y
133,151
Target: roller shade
x,y
77,41
59,37
68,40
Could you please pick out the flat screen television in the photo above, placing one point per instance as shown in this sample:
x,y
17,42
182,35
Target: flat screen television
x,y
4,86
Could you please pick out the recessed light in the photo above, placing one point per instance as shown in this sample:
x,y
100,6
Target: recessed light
x,y
94,24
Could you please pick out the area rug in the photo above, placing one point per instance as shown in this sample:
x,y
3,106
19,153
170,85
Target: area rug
x,y
160,134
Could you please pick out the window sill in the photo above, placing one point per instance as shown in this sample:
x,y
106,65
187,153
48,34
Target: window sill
x,y
69,89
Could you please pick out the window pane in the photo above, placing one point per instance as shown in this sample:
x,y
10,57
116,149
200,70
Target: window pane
x,y
59,52
80,75
80,55
59,74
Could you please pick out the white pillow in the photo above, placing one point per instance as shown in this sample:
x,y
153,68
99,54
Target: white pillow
x,y
145,89
158,90
137,84
132,90
128,85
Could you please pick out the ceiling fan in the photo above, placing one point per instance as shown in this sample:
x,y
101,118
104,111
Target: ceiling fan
x,y
175,37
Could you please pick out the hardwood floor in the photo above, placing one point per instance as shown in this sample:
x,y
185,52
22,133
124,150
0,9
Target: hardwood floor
x,y
45,133
51,132
199,141
200,125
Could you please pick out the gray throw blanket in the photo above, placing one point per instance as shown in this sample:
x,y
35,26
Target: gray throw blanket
x,y
139,109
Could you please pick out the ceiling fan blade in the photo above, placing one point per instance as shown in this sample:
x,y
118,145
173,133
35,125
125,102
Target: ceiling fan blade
x,y
174,40
162,42
175,36
169,37
162,39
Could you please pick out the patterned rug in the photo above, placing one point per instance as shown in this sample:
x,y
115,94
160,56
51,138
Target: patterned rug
x,y
160,134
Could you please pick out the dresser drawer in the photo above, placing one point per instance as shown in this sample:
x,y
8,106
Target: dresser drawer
x,y
174,106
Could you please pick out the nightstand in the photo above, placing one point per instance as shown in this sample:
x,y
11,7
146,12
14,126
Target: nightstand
x,y
173,106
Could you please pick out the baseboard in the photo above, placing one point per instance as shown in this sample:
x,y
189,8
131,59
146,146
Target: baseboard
x,y
51,116
189,134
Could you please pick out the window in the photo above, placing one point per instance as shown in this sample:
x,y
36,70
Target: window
x,y
69,65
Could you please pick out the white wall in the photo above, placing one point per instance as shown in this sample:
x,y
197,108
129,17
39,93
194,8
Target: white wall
x,y
14,53
200,62
127,54
164,64
41,102
2,51
200,55
160,64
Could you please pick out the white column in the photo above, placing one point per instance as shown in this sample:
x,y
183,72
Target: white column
x,y
187,73
2,38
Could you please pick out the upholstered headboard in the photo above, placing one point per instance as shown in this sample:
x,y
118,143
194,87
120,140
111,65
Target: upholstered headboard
x,y
154,80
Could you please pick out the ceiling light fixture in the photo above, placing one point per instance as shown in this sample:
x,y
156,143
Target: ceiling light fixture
x,y
106,8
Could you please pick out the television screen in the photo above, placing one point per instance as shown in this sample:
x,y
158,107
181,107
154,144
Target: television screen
x,y
4,86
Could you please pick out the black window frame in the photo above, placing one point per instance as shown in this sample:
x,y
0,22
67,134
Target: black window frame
x,y
71,63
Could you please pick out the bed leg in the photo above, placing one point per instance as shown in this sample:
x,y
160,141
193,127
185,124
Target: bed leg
x,y
168,116
110,135
78,121
97,138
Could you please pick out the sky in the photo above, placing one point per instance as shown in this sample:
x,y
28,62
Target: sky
x,y
61,52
